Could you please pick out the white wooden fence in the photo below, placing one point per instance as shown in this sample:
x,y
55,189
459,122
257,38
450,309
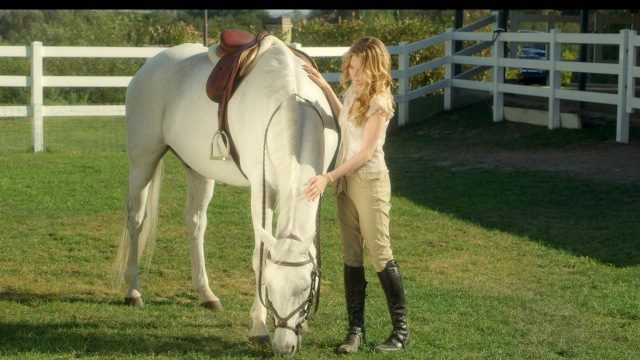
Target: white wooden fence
x,y
625,99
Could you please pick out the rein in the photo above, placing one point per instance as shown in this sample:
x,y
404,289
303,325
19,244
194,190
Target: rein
x,y
316,270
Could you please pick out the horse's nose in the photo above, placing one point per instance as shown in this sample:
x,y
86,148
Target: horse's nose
x,y
285,342
286,352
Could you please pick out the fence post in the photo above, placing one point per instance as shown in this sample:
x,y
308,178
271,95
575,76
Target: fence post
x,y
448,69
403,84
36,96
498,78
622,116
555,81
631,62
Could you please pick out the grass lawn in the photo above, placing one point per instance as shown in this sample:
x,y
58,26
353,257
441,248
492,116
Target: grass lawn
x,y
498,264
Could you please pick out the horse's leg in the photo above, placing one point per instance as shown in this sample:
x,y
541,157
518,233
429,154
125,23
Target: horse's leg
x,y
259,333
199,195
142,202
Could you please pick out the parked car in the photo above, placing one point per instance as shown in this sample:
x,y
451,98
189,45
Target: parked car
x,y
536,51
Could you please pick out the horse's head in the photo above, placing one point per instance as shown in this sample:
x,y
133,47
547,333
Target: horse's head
x,y
291,277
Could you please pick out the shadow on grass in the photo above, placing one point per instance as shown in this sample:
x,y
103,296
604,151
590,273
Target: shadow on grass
x,y
587,218
113,336
27,298
98,338
596,219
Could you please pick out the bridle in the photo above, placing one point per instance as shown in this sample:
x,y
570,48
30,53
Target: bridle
x,y
305,308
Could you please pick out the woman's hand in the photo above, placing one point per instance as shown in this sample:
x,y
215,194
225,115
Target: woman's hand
x,y
316,77
315,187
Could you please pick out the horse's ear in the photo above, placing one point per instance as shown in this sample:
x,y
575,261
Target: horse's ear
x,y
266,238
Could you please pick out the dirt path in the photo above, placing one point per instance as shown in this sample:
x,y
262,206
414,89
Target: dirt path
x,y
609,161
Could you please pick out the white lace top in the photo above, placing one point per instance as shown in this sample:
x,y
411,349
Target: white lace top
x,y
351,134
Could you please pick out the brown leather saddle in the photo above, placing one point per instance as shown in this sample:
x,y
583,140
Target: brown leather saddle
x,y
237,49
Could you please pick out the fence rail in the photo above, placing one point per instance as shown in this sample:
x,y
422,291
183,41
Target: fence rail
x,y
624,99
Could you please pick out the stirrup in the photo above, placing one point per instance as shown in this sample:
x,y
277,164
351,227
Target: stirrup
x,y
220,149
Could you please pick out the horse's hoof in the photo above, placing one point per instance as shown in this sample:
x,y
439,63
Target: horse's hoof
x,y
134,301
259,340
213,305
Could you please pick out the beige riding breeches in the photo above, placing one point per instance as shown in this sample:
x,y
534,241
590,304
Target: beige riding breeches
x,y
362,208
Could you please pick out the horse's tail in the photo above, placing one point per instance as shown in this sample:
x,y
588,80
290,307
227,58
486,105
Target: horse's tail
x,y
148,232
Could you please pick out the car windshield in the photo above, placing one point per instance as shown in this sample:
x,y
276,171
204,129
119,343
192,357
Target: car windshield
x,y
532,52
536,46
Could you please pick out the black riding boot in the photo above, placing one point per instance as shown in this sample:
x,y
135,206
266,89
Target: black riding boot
x,y
354,290
391,281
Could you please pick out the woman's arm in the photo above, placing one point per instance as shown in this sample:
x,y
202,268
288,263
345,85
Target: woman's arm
x,y
373,129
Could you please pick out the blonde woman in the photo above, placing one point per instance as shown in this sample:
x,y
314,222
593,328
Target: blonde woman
x,y
363,189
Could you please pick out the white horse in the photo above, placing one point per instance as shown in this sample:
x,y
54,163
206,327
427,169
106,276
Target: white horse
x,y
280,123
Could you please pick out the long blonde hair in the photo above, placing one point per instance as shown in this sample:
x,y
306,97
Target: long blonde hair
x,y
376,73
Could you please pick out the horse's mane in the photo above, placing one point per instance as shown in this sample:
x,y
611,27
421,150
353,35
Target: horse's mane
x,y
280,66
278,62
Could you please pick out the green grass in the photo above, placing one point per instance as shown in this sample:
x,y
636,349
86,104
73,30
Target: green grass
x,y
15,135
497,264
69,135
